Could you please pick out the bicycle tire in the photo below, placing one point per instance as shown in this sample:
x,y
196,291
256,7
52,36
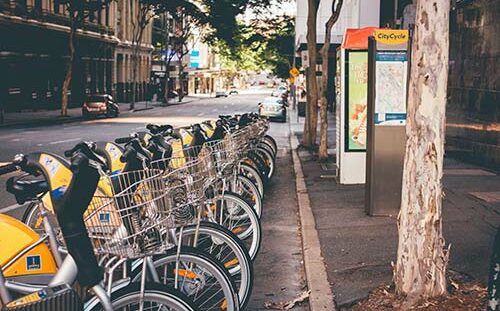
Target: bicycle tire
x,y
239,264
268,160
236,223
251,173
271,141
259,164
246,188
264,144
156,293
202,267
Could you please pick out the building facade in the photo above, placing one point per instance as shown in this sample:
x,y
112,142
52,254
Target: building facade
x,y
34,53
125,11
473,110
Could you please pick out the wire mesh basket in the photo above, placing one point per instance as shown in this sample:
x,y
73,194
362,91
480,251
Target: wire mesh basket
x,y
186,179
224,155
128,214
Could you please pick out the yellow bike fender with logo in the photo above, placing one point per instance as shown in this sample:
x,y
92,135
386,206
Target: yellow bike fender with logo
x,y
16,237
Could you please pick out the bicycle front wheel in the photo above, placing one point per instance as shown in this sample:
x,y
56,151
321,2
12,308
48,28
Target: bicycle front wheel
x,y
228,249
197,275
155,297
239,217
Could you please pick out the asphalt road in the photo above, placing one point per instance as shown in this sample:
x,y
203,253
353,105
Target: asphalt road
x,y
61,137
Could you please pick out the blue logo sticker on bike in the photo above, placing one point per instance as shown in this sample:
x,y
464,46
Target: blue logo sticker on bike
x,y
33,263
58,193
104,217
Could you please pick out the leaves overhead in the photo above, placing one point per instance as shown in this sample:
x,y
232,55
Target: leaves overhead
x,y
270,42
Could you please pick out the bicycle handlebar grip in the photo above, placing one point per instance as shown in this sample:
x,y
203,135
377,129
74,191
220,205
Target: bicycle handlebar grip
x,y
9,168
153,128
123,140
127,155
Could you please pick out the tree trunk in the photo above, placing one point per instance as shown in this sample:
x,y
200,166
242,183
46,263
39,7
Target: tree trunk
x,y
181,82
306,138
325,53
69,70
135,64
422,259
167,79
311,120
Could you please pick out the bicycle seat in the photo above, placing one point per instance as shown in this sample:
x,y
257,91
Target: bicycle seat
x,y
25,190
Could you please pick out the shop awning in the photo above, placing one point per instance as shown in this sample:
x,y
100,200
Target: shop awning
x,y
357,38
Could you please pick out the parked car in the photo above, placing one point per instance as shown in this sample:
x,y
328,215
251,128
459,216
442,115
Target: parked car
x,y
233,90
172,94
278,92
273,108
221,93
100,104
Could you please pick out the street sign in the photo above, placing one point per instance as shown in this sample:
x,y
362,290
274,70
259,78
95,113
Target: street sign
x,y
195,59
294,72
304,55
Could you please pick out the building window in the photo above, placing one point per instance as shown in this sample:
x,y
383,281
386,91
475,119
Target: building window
x,y
56,6
21,4
107,15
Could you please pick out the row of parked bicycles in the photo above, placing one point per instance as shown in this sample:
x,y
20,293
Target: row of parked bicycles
x,y
164,219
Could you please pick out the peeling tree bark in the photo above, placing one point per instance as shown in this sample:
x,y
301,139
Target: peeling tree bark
x,y
325,51
311,121
422,259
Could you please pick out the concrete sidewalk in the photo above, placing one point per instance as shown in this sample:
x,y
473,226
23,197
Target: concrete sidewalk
x,y
358,249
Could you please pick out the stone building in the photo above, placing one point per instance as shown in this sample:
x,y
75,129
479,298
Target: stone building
x,y
125,11
473,110
34,53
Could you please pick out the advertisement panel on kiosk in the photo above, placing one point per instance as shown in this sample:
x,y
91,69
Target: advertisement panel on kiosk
x,y
352,106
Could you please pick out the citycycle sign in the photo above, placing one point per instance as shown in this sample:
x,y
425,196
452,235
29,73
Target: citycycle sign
x,y
391,36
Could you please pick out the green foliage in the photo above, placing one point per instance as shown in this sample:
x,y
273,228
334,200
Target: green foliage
x,y
268,44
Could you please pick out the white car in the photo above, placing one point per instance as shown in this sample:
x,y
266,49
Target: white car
x,y
273,108
279,91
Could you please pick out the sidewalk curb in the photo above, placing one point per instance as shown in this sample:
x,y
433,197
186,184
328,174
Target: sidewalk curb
x,y
142,109
321,297
32,123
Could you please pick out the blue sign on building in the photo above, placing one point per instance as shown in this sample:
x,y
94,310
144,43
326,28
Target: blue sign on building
x,y
195,59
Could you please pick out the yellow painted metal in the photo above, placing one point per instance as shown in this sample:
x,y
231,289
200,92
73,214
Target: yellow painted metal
x,y
16,237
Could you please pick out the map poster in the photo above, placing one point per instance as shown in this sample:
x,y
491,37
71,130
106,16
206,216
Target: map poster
x,y
390,88
356,100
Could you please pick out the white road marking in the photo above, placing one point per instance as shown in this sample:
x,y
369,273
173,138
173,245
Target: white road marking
x,y
9,208
200,114
16,139
39,145
214,110
64,141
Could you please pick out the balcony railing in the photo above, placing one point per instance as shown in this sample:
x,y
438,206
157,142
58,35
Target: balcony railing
x,y
38,14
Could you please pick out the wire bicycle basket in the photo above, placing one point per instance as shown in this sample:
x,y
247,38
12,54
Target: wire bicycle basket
x,y
128,214
186,178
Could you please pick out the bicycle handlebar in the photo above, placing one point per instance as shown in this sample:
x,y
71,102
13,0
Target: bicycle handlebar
x,y
124,140
8,168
